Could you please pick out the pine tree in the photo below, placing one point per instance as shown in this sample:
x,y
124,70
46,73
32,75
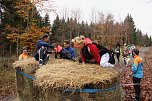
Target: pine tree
x,y
56,31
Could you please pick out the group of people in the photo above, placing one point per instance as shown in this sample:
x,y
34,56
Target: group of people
x,y
90,52
126,52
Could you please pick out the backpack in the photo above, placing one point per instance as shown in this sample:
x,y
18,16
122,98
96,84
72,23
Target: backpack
x,y
65,54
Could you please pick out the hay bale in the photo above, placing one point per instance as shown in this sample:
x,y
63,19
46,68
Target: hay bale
x,y
68,74
24,84
53,79
27,65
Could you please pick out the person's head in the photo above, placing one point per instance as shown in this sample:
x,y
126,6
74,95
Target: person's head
x,y
118,44
66,43
136,52
45,37
133,44
125,45
24,50
78,42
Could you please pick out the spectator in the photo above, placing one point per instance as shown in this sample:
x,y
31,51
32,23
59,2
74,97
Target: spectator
x,y
118,51
133,47
24,54
137,71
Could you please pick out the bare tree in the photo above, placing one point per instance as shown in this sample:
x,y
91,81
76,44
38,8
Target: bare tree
x,y
65,13
93,15
76,14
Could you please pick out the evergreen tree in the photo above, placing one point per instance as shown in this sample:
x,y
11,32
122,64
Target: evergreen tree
x,y
46,20
56,31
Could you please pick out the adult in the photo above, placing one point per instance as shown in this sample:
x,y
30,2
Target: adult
x,y
42,53
92,52
133,47
24,54
137,73
118,51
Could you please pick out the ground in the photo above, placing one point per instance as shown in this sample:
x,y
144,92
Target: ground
x,y
8,88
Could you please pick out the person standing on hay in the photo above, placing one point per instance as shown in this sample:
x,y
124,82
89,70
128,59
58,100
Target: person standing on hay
x,y
42,46
24,54
137,73
92,52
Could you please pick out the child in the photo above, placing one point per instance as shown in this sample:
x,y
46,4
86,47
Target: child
x,y
137,71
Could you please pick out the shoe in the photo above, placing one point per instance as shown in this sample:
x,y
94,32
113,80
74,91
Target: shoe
x,y
40,62
136,98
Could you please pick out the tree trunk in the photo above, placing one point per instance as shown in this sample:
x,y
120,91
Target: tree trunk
x,y
17,48
10,50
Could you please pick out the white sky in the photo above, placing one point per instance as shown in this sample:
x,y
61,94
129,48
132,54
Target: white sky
x,y
139,9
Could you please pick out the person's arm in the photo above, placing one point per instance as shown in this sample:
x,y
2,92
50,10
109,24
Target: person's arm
x,y
45,44
72,53
82,57
20,57
94,52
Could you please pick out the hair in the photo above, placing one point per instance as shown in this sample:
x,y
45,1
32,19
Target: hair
x,y
24,48
118,44
136,51
45,35
66,41
79,39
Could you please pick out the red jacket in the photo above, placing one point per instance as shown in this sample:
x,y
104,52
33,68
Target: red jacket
x,y
93,50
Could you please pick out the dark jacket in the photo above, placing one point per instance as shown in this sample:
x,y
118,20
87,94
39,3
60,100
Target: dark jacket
x,y
71,51
41,43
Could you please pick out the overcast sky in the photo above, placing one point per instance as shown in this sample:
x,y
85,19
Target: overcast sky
x,y
141,10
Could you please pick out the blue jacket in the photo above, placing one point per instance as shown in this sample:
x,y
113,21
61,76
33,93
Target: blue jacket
x,y
41,43
138,70
72,52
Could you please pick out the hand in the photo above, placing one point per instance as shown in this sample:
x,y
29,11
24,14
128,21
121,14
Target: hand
x,y
52,51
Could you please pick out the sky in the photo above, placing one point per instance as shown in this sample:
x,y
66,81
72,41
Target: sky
x,y
140,10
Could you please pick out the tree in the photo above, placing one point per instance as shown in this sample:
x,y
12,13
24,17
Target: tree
x,y
56,31
130,30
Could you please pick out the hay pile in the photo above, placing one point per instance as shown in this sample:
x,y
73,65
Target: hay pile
x,y
68,74
29,62
27,65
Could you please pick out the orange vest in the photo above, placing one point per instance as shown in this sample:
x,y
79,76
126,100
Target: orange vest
x,y
23,56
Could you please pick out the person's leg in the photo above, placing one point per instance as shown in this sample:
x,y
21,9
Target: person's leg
x,y
104,61
137,88
45,58
125,60
132,54
41,55
118,56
